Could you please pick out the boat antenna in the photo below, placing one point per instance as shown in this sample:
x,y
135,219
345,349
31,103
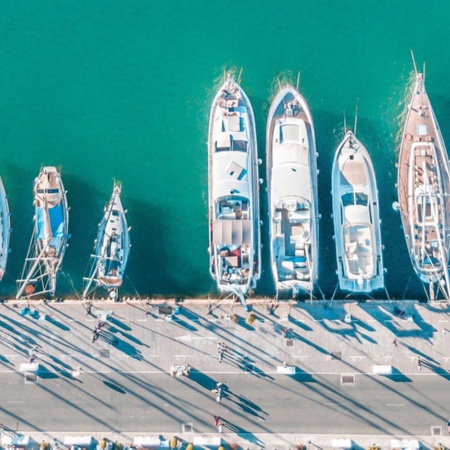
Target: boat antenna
x,y
298,79
356,118
345,124
414,62
239,76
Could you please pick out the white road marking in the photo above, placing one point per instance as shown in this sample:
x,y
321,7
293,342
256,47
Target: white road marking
x,y
400,405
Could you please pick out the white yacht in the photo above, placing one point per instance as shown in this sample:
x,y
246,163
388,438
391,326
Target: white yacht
x,y
424,191
111,248
292,186
5,229
234,242
356,218
49,240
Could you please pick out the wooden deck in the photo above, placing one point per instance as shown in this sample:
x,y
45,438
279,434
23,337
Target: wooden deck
x,y
423,173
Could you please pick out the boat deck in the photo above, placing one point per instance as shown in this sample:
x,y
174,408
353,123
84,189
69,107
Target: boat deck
x,y
424,187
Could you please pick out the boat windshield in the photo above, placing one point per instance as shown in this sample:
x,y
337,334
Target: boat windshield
x,y
354,198
47,191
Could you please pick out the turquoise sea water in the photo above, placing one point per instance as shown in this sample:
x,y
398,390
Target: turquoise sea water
x,y
122,90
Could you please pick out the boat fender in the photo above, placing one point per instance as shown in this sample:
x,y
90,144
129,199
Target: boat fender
x,y
396,206
259,161
129,229
69,236
126,211
261,181
318,171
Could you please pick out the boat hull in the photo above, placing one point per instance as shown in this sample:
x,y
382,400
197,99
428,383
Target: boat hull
x,y
233,192
292,192
356,218
5,229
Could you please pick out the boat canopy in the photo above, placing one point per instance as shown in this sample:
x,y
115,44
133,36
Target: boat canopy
x,y
56,221
232,232
291,180
290,153
355,214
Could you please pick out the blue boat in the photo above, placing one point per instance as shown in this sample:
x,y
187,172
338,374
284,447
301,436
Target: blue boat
x,y
49,240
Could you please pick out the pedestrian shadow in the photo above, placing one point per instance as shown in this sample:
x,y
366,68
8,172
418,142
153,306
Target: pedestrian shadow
x,y
202,379
244,434
128,336
246,405
397,376
424,357
119,323
302,377
121,345
299,324
114,387
189,314
57,323
181,323
4,360
45,373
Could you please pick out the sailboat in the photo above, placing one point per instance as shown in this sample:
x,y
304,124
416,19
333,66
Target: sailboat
x,y
49,240
292,187
424,191
234,241
111,248
356,218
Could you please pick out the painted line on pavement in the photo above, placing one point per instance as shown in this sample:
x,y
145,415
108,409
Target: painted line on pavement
x,y
142,320
400,405
15,401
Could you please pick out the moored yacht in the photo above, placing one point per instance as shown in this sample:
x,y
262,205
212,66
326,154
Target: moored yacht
x,y
234,242
5,229
356,218
49,240
424,191
292,186
111,248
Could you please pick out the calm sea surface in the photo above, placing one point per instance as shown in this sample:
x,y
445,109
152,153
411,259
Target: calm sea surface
x,y
122,89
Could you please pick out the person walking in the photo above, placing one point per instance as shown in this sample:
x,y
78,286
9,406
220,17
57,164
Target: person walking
x,y
419,363
395,342
216,421
95,335
220,428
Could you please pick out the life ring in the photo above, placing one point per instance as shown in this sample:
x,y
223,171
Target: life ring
x,y
408,136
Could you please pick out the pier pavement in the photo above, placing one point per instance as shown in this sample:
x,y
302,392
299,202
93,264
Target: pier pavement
x,y
343,341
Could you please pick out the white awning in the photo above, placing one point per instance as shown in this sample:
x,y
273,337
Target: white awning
x,y
207,441
232,232
341,443
79,441
405,444
151,441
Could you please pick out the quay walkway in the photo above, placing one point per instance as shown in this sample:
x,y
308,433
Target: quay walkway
x,y
344,341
